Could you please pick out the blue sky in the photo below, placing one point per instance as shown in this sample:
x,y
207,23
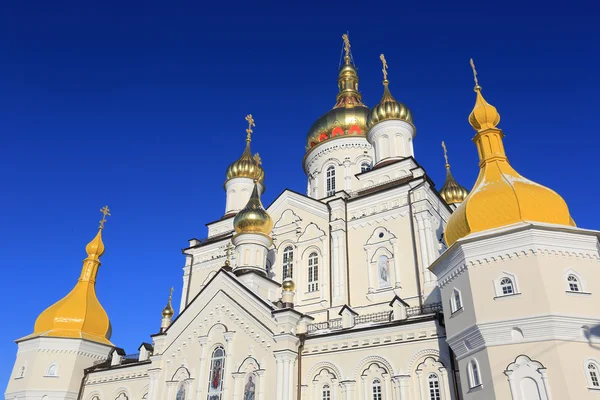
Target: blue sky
x,y
141,106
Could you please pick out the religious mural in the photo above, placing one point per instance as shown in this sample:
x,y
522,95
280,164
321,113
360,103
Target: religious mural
x,y
383,271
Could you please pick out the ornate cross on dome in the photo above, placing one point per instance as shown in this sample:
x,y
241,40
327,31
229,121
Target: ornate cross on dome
x,y
250,125
385,66
445,154
474,74
257,159
346,45
105,213
170,294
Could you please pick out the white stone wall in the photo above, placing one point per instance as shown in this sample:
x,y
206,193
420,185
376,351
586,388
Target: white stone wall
x,y
392,139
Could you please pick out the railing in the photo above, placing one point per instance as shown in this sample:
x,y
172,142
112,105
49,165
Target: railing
x,y
134,356
378,317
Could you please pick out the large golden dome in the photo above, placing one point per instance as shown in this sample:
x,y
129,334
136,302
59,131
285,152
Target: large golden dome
x,y
247,166
253,218
348,116
79,314
501,196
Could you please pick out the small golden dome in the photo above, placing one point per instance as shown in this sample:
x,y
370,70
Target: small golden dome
x,y
388,108
247,166
253,218
288,285
349,115
79,314
168,311
452,192
501,196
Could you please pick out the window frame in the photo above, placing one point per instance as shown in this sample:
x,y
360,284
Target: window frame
x,y
576,284
312,272
507,286
376,389
593,381
54,365
213,359
365,166
287,262
435,392
474,374
326,392
330,180
454,306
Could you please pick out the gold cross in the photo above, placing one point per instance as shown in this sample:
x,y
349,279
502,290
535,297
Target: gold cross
x,y
257,159
445,153
105,213
346,44
474,74
170,294
385,66
250,125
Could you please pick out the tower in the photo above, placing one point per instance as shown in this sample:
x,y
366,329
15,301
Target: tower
x,y
336,145
390,125
68,337
519,283
452,192
241,175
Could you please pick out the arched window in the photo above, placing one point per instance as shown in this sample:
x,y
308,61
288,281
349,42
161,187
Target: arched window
x,y
330,180
365,166
180,393
474,377
288,262
383,271
52,370
573,283
377,395
434,387
313,272
592,372
326,393
215,381
506,284
456,301
250,387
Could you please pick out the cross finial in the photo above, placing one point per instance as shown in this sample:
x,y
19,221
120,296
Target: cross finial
x,y
250,125
477,87
445,154
105,213
257,159
385,66
170,294
346,39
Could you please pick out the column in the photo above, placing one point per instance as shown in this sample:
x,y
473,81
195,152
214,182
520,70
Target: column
x,y
429,236
421,388
370,288
292,364
387,384
279,381
444,383
259,384
202,375
238,385
347,175
186,282
336,266
423,247
153,391
228,361
348,390
403,387
396,261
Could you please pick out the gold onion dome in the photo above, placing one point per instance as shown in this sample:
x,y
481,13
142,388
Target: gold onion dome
x,y
500,196
168,311
349,115
79,314
388,107
452,192
288,285
247,166
253,218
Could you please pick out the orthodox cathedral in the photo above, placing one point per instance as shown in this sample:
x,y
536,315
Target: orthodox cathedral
x,y
372,285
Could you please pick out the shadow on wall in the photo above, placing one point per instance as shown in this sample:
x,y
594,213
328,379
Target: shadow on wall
x,y
592,335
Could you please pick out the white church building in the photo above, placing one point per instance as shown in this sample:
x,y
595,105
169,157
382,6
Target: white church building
x,y
372,285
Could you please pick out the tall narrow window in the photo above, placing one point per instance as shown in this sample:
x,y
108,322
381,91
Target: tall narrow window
x,y
288,262
592,370
474,377
573,283
313,272
434,387
330,178
215,380
326,393
507,287
377,390
180,393
364,167
456,301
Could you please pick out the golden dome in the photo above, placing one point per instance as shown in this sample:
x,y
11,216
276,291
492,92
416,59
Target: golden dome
x,y
253,218
288,285
348,116
247,166
168,311
452,192
79,314
501,196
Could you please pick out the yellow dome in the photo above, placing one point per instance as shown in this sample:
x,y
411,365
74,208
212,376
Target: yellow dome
x,y
79,314
501,196
348,116
388,108
247,166
288,285
168,311
253,218
452,192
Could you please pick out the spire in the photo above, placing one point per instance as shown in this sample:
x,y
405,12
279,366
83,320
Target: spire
x,y
79,314
349,96
452,192
501,196
248,165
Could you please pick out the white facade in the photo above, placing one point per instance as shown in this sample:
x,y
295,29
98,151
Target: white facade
x,y
392,139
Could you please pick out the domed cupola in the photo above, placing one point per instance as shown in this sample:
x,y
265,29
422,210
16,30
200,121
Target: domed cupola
x,y
390,125
388,108
501,196
349,115
452,192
